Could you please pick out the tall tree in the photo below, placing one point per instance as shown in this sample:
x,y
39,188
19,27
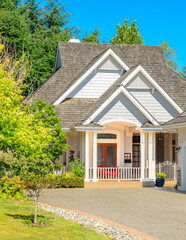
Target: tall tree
x,y
171,56
127,34
56,15
32,14
36,33
93,37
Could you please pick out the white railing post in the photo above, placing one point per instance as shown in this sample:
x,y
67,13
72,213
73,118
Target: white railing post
x,y
87,179
174,170
159,167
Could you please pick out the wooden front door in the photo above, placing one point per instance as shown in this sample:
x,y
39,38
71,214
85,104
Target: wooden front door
x,y
107,155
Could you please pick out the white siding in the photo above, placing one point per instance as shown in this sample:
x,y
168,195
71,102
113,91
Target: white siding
x,y
95,84
139,82
121,108
155,104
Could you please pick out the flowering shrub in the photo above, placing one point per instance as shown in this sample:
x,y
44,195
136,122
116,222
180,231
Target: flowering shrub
x,y
12,188
71,156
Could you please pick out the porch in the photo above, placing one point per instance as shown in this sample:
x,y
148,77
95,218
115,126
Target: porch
x,y
122,151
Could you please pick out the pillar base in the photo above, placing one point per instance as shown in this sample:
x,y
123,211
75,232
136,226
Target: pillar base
x,y
86,180
95,180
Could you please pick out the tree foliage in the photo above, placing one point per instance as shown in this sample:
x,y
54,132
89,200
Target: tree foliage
x,y
35,31
32,134
93,37
127,34
170,55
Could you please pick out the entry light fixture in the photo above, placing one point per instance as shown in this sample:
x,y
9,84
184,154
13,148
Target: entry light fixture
x,y
177,149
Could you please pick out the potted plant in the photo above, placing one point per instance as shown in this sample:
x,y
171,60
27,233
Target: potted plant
x,y
160,179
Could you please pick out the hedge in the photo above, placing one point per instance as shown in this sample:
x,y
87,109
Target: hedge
x,y
64,182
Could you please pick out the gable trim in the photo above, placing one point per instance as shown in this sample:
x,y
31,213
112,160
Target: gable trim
x,y
91,69
154,83
130,97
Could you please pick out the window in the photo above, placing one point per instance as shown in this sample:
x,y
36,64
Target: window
x,y
136,139
106,136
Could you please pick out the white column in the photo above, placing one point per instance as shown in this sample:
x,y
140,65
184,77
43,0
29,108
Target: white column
x,y
82,147
95,179
151,155
87,179
142,146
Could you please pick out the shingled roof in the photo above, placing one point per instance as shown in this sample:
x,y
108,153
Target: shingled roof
x,y
178,120
77,58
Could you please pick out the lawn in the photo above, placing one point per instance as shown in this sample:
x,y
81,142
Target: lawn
x,y
16,216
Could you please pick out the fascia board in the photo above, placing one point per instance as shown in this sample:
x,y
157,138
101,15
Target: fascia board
x,y
79,129
76,84
130,97
157,130
175,125
154,83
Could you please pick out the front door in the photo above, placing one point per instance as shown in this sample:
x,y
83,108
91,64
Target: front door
x,y
107,155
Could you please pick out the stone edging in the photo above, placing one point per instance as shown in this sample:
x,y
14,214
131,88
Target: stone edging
x,y
101,226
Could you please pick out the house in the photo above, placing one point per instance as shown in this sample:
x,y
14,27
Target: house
x,y
113,101
179,124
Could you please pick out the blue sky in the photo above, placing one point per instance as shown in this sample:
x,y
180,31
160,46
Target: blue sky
x,y
158,21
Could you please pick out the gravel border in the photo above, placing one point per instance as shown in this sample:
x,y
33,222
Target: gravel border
x,y
94,224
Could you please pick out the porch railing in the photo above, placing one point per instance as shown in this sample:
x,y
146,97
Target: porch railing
x,y
169,168
61,171
116,173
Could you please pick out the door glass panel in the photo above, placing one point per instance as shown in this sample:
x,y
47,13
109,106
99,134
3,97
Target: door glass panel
x,y
110,156
99,156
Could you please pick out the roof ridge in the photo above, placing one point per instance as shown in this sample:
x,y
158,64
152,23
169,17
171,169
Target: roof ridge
x,y
89,43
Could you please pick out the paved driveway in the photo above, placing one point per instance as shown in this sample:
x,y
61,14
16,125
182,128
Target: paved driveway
x,y
158,213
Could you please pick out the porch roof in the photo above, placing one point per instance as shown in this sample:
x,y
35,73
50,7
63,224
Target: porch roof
x,y
176,122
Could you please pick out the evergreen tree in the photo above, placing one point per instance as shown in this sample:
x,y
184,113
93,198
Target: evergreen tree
x,y
32,14
55,16
92,38
35,32
127,34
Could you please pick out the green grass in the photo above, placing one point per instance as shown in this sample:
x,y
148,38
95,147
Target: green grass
x,y
15,217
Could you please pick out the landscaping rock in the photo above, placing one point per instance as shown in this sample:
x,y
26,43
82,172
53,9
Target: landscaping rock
x,y
94,224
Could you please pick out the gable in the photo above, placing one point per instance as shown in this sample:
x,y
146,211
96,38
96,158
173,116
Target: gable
x,y
95,84
150,95
93,68
99,80
110,64
139,82
155,104
121,108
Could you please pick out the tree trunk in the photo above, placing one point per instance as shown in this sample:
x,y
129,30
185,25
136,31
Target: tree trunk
x,y
35,215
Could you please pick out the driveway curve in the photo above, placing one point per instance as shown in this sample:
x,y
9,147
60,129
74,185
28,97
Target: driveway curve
x,y
160,214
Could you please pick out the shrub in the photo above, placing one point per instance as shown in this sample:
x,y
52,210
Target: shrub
x,y
71,156
68,175
12,188
67,181
161,175
77,168
76,182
